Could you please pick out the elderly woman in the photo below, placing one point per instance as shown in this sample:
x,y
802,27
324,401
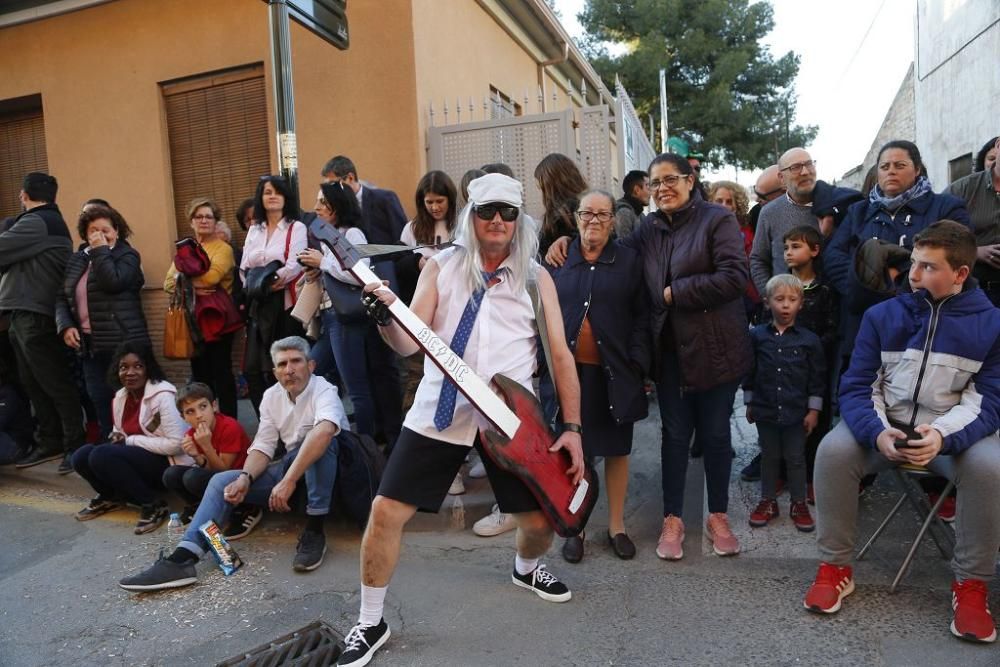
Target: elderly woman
x,y
100,305
214,363
606,316
734,197
900,205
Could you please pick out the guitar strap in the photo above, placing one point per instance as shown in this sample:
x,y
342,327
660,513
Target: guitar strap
x,y
543,329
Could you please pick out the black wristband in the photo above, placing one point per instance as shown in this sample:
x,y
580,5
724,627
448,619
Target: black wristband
x,y
572,428
249,476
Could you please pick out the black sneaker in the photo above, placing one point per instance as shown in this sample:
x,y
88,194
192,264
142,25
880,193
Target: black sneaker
x,y
37,456
751,473
243,520
361,643
66,465
151,517
309,551
188,513
544,583
97,507
162,574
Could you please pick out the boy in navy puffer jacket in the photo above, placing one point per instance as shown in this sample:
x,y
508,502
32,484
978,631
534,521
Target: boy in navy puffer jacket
x,y
922,388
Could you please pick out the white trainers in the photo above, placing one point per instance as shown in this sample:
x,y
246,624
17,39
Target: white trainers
x,y
494,523
457,487
478,470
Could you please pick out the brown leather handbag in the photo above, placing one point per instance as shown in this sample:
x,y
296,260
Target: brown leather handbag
x,y
180,340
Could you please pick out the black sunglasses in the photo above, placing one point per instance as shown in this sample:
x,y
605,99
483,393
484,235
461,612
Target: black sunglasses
x,y
488,211
765,195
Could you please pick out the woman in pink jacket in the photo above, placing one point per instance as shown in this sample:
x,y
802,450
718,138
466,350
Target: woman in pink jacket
x,y
145,440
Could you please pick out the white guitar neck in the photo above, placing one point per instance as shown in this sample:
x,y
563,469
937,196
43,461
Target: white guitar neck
x,y
453,366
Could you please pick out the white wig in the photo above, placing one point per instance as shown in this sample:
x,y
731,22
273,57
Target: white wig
x,y
523,248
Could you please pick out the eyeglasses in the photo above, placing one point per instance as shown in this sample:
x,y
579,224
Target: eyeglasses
x,y
898,166
589,216
489,211
203,217
799,167
765,195
669,181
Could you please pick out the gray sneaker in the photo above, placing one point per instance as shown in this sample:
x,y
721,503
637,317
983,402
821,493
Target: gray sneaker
x,y
162,574
309,551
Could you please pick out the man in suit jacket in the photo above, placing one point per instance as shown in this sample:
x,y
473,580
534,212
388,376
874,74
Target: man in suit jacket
x,y
383,214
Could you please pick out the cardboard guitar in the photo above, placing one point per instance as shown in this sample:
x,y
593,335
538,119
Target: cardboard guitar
x,y
520,440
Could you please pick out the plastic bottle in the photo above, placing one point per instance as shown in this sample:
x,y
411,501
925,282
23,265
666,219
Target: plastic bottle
x,y
175,531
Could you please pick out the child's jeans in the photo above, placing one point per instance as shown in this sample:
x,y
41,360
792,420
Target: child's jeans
x,y
782,442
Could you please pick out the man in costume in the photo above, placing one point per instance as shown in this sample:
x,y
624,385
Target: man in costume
x,y
475,297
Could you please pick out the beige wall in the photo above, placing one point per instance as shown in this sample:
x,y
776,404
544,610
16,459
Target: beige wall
x,y
98,72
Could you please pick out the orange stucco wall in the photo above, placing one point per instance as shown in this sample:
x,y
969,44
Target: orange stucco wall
x,y
98,71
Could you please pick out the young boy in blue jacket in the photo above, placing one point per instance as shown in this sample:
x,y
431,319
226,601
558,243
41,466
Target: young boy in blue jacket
x,y
927,363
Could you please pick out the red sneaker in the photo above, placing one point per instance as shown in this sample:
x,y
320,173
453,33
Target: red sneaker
x,y
833,584
766,510
973,620
801,517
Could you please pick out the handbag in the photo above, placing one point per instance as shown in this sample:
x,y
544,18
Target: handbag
x,y
345,300
216,315
178,340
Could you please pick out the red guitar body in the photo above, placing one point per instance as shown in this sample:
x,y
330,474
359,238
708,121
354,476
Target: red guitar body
x,y
528,458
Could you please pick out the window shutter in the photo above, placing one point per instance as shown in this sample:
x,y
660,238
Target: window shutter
x,y
22,150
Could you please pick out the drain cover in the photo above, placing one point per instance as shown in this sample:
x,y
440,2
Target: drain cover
x,y
313,645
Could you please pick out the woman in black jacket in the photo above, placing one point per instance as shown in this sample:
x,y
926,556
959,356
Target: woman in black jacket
x,y
605,313
100,306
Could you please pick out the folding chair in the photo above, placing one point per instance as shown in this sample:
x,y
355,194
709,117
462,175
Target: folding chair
x,y
907,476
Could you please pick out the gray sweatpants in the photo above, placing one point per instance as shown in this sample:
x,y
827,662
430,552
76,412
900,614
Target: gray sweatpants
x,y
841,463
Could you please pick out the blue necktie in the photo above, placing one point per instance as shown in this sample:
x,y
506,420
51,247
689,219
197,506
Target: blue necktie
x,y
449,390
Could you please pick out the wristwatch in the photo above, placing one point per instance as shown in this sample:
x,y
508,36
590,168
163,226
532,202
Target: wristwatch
x,y
572,428
249,476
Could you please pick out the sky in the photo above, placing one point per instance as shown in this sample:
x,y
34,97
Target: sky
x,y
854,55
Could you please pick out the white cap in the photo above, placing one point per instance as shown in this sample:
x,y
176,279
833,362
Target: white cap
x,y
495,188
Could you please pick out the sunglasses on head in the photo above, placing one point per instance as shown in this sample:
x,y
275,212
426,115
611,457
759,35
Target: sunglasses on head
x,y
488,211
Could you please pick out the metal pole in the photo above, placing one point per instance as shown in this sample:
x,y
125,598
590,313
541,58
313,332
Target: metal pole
x,y
663,111
284,102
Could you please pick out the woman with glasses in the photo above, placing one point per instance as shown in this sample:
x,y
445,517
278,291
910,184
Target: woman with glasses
x,y
213,365
901,204
605,313
272,244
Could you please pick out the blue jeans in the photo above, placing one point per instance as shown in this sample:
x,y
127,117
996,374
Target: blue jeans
x,y
319,478
95,375
348,344
704,414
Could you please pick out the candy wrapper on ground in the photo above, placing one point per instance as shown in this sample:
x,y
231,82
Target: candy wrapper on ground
x,y
227,558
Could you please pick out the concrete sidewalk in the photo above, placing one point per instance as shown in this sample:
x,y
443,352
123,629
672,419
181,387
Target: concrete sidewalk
x,y
451,601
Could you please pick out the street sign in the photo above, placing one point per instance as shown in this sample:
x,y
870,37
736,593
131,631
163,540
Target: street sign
x,y
327,19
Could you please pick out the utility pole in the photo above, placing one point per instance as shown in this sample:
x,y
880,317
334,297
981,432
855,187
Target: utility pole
x,y
284,103
663,111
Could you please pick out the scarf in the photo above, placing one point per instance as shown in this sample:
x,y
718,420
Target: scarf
x,y
893,204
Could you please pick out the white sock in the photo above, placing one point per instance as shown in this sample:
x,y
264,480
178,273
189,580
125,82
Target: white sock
x,y
525,565
372,603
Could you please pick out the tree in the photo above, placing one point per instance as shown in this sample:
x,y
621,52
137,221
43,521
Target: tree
x,y
727,95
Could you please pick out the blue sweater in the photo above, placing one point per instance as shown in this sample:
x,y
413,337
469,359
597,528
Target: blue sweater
x,y
919,362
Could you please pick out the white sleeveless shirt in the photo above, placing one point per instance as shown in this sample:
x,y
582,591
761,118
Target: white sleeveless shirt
x,y
503,340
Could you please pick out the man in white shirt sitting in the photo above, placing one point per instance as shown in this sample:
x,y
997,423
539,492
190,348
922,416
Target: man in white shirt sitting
x,y
305,413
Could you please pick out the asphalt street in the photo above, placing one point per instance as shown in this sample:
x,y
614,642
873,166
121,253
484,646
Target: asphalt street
x,y
452,601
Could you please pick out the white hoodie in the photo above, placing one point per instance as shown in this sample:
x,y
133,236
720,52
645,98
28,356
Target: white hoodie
x,y
162,426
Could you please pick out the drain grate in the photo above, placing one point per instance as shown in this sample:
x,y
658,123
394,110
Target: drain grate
x,y
314,645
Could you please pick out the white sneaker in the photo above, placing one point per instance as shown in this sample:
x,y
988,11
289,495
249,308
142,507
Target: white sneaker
x,y
457,487
477,471
494,523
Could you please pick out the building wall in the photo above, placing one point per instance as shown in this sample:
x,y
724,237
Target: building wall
x,y
957,80
98,71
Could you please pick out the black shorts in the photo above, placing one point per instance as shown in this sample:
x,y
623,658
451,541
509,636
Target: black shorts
x,y
420,471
